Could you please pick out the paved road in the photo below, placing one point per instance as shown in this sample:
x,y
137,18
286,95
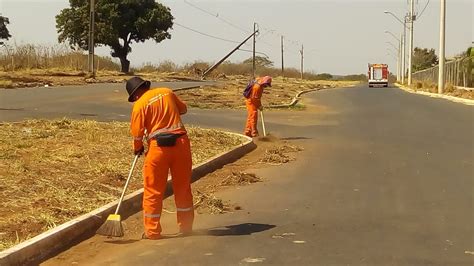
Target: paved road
x,y
386,178
99,101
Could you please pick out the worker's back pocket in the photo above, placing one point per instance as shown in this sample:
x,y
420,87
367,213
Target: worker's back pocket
x,y
167,139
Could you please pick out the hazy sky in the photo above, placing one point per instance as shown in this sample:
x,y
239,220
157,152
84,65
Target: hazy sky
x,y
339,36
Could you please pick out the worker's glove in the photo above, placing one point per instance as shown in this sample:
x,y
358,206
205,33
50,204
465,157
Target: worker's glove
x,y
140,151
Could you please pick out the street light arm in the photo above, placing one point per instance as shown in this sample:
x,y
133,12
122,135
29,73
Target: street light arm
x,y
388,32
399,20
394,46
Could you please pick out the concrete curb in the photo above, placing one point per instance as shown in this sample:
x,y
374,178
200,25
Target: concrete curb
x,y
51,242
435,95
295,99
187,88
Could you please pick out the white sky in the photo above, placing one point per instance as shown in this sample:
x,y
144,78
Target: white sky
x,y
339,36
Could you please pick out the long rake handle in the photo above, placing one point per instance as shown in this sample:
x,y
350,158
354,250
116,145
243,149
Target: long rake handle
x,y
126,183
263,124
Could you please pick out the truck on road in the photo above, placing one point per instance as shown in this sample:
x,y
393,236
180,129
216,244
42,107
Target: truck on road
x,y
378,75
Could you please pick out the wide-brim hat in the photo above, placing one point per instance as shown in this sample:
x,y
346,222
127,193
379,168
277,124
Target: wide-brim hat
x,y
133,84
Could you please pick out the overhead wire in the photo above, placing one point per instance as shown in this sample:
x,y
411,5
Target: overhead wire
x,y
427,3
205,34
216,15
258,36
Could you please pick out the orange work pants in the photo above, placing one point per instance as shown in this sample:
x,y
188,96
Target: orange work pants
x,y
159,161
252,116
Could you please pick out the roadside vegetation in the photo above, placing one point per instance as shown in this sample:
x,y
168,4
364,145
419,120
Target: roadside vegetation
x,y
61,169
424,59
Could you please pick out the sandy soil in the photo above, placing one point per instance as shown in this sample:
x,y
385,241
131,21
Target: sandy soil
x,y
269,151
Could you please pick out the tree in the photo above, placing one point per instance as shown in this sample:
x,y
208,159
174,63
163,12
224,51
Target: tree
x,y
323,76
118,23
470,66
260,61
4,33
424,58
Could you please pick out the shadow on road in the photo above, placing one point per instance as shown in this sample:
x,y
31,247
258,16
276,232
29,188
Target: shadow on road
x,y
122,242
235,230
295,138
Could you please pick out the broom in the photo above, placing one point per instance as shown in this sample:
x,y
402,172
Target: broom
x,y
263,124
113,224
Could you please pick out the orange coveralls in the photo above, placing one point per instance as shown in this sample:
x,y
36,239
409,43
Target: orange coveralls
x,y
253,103
159,111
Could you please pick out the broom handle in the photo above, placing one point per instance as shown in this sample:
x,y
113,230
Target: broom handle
x,y
126,183
263,124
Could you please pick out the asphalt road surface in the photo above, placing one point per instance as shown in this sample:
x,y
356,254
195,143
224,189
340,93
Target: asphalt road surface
x,y
103,102
386,178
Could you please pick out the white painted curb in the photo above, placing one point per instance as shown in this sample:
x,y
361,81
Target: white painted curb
x,y
435,95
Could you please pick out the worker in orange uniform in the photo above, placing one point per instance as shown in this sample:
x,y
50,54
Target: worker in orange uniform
x,y
156,118
254,103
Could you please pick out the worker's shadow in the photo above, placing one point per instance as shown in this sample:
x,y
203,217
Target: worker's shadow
x,y
234,230
295,138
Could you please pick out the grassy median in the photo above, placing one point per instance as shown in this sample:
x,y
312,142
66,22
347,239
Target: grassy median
x,y
55,170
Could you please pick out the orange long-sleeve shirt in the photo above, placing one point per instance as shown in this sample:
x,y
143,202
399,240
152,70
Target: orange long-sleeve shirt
x,y
256,95
156,111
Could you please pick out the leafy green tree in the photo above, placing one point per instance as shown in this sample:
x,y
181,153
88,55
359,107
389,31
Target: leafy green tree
x,y
324,76
118,23
260,61
424,58
4,33
470,66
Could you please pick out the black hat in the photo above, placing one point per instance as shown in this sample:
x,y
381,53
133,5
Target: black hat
x,y
133,84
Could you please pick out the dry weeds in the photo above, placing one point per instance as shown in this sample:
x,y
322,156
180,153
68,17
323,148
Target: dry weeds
x,y
228,93
208,203
52,171
280,155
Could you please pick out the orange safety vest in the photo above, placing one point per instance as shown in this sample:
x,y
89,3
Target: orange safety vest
x,y
255,95
157,111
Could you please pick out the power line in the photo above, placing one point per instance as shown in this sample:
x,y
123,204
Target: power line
x,y
205,34
427,3
216,15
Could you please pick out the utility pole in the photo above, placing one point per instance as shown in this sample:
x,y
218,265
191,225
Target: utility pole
x,y
404,48
282,63
442,42
91,64
253,61
410,58
403,40
400,60
302,59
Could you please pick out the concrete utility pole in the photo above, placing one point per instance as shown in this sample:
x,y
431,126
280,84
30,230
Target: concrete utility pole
x,y
282,63
410,58
302,59
90,58
253,63
442,42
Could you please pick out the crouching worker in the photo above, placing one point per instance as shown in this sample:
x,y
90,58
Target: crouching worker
x,y
253,95
156,116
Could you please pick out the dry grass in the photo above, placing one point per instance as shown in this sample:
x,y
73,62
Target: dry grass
x,y
448,90
228,94
208,203
52,171
14,57
280,154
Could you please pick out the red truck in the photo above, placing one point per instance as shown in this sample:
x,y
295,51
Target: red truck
x,y
378,75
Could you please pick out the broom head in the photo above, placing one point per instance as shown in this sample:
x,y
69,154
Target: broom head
x,y
112,226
